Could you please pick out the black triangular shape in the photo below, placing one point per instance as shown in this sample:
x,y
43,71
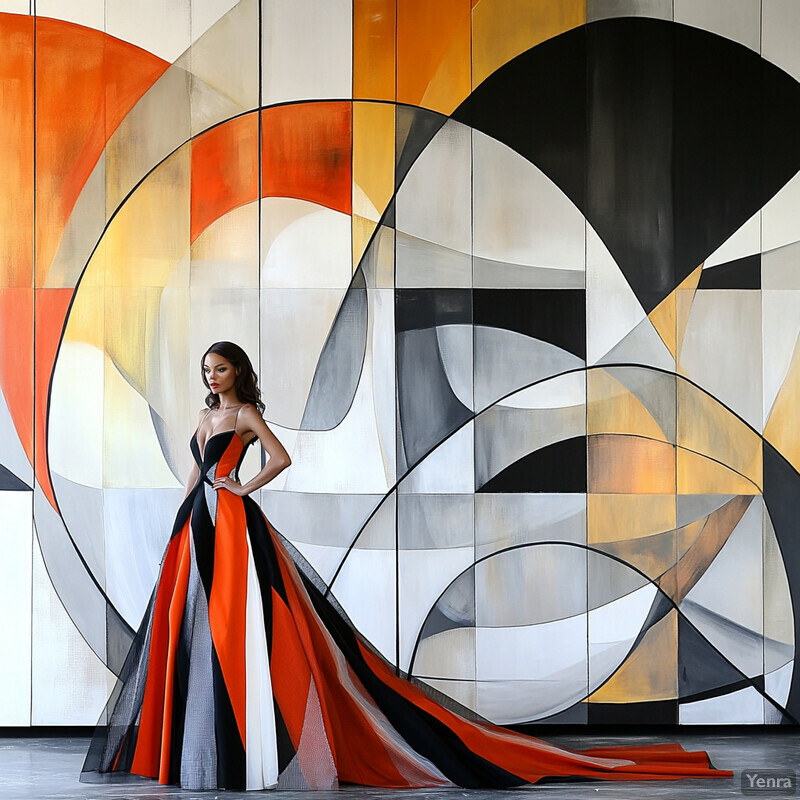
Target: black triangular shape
x,y
9,482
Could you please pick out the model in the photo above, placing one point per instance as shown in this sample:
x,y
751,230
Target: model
x,y
244,676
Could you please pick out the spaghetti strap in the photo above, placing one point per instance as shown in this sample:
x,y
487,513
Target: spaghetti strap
x,y
236,419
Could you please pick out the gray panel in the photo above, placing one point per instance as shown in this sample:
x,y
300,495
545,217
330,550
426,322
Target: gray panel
x,y
506,361
78,593
780,268
691,507
608,579
434,521
82,512
530,585
322,519
641,346
340,362
605,9
505,520
489,274
424,264
738,20
722,349
429,410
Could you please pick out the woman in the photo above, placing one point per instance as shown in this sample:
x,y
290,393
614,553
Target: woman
x,y
243,676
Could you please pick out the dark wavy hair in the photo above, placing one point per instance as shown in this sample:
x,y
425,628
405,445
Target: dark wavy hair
x,y
246,383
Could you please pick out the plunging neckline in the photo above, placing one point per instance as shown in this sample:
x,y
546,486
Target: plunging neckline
x,y
206,443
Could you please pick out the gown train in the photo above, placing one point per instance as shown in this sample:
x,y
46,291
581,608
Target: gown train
x,y
244,676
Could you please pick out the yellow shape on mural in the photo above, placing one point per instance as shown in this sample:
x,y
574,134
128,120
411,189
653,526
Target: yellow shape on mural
x,y
782,430
612,408
698,474
671,316
618,517
433,53
502,29
650,672
374,24
373,169
706,426
621,464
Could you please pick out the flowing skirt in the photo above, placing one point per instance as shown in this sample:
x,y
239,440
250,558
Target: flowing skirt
x,y
243,675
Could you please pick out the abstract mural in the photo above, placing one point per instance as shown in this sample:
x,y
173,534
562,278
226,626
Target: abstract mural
x,y
522,281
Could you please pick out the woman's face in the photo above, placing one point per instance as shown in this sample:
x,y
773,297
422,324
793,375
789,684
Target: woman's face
x,y
219,373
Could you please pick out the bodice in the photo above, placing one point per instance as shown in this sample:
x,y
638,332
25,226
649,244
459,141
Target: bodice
x,y
222,455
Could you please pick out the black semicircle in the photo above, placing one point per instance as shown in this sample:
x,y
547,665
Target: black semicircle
x,y
668,138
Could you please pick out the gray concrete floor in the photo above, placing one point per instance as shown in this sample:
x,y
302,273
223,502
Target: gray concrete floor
x,y
47,768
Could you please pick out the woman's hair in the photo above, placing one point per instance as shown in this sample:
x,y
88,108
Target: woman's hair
x,y
246,383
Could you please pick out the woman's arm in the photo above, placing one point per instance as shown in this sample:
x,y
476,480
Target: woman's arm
x,y
250,422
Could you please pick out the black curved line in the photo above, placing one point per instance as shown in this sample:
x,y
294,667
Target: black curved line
x,y
588,548
475,415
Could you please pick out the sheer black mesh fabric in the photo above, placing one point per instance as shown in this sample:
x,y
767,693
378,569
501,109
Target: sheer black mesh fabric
x,y
122,712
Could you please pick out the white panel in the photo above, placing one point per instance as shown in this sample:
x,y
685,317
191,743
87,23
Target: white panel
x,y
306,246
737,564
132,455
738,20
520,215
138,523
90,13
381,361
778,683
366,589
562,391
448,468
225,255
744,707
424,575
612,309
517,702
745,241
16,512
70,683
160,26
780,217
434,201
533,652
781,333
351,457
205,13
780,21
16,6
722,349
306,50
75,424
296,324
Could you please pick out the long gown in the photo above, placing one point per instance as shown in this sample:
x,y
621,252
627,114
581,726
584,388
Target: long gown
x,y
244,676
